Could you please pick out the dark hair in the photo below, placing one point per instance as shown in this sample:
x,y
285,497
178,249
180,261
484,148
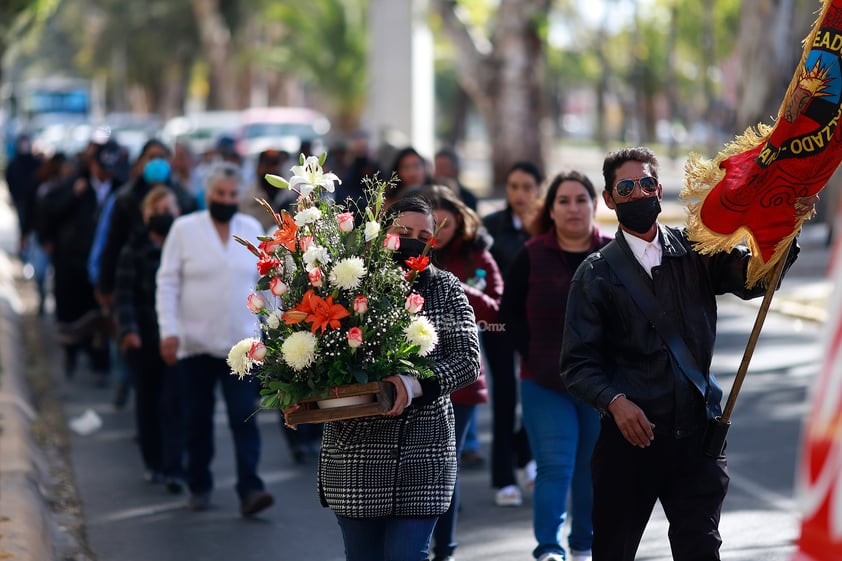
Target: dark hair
x,y
619,157
393,192
549,199
154,143
451,155
409,203
442,197
51,168
529,168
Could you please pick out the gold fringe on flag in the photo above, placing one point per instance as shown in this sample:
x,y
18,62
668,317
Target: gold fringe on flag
x,y
702,175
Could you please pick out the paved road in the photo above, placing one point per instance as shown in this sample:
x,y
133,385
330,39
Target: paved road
x,y
127,519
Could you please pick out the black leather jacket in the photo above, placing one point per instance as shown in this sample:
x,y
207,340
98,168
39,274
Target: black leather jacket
x,y
610,347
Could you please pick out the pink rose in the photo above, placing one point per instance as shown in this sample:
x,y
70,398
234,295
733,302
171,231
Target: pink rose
x,y
278,287
346,221
315,277
305,242
392,242
257,352
255,303
355,337
414,302
360,304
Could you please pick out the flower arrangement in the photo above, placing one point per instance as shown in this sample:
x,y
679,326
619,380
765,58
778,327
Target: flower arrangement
x,y
336,308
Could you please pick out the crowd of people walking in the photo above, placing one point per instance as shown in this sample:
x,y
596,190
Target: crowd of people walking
x,y
149,285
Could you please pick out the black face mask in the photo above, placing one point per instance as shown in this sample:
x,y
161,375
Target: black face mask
x,y
222,212
639,215
161,223
410,247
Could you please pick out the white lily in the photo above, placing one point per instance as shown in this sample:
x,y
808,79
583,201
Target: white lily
x,y
310,173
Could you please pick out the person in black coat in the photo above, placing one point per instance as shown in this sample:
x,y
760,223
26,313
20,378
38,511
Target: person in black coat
x,y
72,210
126,220
21,176
510,228
158,392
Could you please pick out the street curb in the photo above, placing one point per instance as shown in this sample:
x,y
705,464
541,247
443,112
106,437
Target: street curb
x,y
26,532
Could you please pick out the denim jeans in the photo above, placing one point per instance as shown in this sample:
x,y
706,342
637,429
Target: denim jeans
x,y
386,539
562,432
445,532
201,374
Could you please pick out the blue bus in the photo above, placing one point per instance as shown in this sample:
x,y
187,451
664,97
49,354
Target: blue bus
x,y
46,107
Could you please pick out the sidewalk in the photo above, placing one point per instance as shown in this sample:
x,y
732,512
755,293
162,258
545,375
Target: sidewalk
x,y
26,525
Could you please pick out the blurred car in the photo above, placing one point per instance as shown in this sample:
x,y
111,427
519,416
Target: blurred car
x,y
132,130
201,130
280,128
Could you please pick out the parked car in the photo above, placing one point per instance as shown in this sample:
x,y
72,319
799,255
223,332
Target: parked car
x,y
132,130
280,128
201,130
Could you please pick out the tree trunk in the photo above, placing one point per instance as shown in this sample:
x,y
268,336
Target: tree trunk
x,y
504,82
768,55
173,89
216,43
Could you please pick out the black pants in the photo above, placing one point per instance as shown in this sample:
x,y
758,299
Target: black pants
x,y
508,448
628,480
159,397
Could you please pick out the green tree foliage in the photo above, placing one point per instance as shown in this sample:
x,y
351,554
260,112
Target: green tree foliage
x,y
324,42
19,17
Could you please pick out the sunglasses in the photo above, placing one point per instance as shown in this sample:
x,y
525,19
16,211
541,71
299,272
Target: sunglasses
x,y
625,187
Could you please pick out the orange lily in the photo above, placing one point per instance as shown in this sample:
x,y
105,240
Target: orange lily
x,y
286,234
301,311
325,313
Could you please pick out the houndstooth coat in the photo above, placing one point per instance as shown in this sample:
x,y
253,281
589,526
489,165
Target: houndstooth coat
x,y
405,466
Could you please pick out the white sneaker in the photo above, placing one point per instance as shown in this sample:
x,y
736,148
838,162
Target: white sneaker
x,y
579,555
551,556
508,496
530,471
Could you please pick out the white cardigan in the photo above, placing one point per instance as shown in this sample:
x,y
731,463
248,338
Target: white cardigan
x,y
203,285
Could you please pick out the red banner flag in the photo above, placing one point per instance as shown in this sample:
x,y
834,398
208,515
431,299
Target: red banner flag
x,y
819,481
748,193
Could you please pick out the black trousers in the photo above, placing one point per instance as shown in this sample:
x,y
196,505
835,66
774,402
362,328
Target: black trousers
x,y
628,480
509,448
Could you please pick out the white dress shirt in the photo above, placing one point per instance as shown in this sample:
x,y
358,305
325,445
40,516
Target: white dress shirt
x,y
203,285
648,254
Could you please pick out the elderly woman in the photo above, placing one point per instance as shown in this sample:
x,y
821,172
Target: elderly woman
x,y
203,284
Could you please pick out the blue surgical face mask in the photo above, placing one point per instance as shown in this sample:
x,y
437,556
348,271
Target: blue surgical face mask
x,y
156,170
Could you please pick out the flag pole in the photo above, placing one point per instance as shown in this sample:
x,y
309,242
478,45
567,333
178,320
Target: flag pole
x,y
752,340
717,428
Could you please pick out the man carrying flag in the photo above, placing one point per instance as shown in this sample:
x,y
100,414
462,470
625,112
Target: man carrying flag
x,y
641,314
653,386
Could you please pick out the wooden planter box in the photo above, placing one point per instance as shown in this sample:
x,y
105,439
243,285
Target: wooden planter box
x,y
384,398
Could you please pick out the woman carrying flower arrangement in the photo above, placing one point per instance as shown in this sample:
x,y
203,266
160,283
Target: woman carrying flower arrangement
x,y
346,304
389,478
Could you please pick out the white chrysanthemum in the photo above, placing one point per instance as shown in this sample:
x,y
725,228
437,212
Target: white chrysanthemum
x,y
274,319
307,216
315,256
238,358
371,230
312,175
422,333
348,273
299,349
